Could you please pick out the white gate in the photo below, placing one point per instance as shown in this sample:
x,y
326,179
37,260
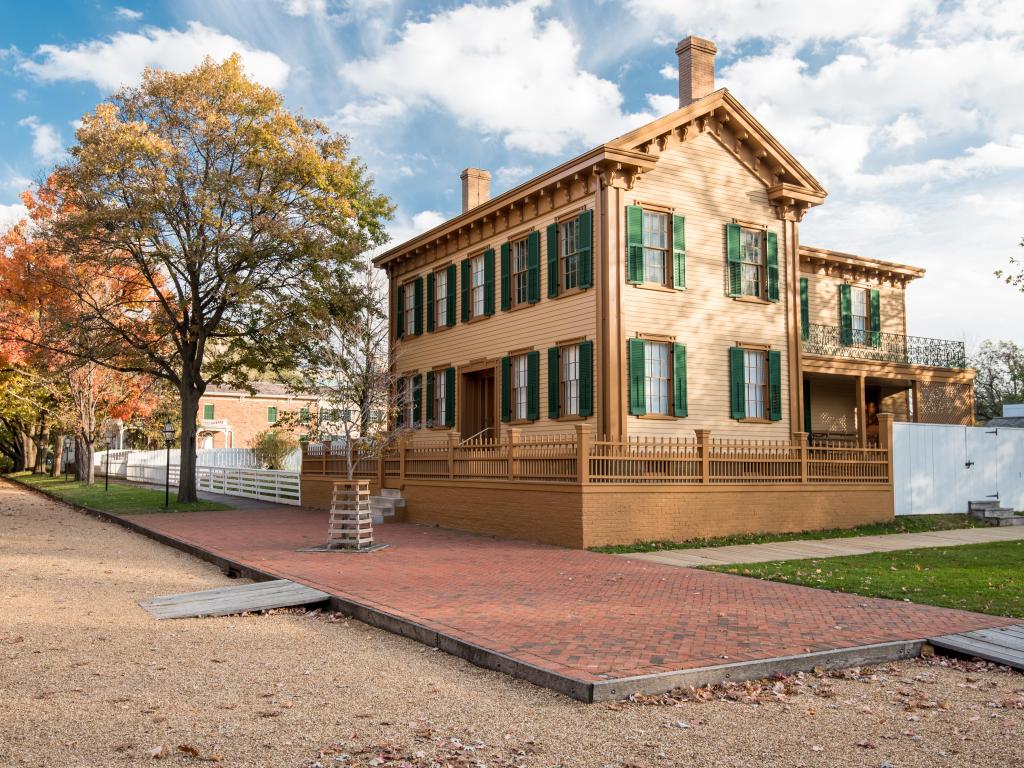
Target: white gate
x,y
938,469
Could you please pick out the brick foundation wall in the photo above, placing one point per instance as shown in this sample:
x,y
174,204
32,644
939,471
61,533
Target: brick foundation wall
x,y
318,490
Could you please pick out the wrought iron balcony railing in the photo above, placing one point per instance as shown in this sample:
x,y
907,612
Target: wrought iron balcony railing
x,y
833,341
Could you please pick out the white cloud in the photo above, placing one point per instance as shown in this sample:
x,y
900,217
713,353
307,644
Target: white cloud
x,y
508,175
405,228
121,59
47,145
794,20
21,95
304,7
904,131
11,215
128,13
498,70
662,104
669,72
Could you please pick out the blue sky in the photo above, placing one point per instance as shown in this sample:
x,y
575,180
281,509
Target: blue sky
x,y
908,111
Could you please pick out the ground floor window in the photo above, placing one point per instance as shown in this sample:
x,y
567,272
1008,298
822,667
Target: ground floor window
x,y
755,376
440,397
520,387
569,380
657,377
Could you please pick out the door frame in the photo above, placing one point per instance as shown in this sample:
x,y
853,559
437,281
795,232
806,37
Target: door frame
x,y
492,364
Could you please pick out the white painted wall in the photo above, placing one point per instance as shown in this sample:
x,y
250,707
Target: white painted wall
x,y
931,472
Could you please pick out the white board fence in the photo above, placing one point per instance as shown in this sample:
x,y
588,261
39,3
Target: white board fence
x,y
938,469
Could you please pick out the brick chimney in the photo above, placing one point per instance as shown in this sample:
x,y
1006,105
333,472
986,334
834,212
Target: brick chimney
x,y
476,187
696,68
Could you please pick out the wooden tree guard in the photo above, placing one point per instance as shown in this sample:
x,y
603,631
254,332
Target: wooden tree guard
x,y
351,525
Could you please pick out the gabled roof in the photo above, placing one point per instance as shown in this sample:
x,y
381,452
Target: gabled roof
x,y
791,187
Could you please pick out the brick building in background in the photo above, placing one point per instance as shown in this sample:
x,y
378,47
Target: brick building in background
x,y
231,418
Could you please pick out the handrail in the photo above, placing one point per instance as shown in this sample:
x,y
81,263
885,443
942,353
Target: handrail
x,y
473,437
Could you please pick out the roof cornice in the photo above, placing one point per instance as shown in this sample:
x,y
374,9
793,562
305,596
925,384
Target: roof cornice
x,y
884,270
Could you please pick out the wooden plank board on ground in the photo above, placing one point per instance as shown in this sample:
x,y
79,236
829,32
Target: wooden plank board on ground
x,y
262,596
1002,645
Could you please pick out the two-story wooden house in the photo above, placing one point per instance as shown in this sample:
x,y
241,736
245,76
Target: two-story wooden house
x,y
652,291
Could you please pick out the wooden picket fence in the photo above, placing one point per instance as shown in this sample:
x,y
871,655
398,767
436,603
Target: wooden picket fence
x,y
577,457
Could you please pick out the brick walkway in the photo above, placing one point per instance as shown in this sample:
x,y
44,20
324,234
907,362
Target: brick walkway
x,y
817,548
578,614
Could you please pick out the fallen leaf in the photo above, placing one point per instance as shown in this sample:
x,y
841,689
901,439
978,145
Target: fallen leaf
x,y
188,749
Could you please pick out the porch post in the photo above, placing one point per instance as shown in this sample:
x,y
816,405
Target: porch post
x,y
703,449
584,434
915,399
885,421
324,446
862,419
800,441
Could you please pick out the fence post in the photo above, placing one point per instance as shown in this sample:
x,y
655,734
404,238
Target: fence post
x,y
885,421
800,441
402,444
453,440
323,457
380,467
704,450
584,435
514,435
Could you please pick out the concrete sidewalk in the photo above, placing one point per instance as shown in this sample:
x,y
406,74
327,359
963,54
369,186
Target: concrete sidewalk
x,y
807,549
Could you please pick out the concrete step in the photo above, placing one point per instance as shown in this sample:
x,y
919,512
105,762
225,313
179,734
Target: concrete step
x,y
1015,520
973,506
393,493
992,513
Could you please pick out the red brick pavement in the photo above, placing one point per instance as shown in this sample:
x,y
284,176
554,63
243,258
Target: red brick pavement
x,y
579,614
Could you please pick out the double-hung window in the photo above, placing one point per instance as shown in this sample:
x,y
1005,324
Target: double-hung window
x,y
520,274
520,387
477,277
655,246
755,376
410,308
657,378
569,379
752,262
568,253
441,289
859,315
440,397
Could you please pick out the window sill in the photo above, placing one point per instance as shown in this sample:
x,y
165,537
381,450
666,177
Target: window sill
x,y
519,422
571,292
439,328
656,287
755,421
475,319
523,305
571,417
753,300
659,417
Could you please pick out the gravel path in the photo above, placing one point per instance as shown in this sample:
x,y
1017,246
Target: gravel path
x,y
88,679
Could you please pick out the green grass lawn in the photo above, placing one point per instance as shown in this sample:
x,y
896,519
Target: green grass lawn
x,y
121,499
988,578
907,524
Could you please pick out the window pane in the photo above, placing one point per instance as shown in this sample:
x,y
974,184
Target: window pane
x,y
657,377
570,378
519,274
752,258
410,309
441,299
859,314
655,237
477,269
568,253
519,384
440,400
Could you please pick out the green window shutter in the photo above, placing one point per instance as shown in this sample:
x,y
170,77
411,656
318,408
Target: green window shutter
x,y
737,384
585,247
586,378
533,384
208,411
679,379
553,381
449,397
506,276
637,378
634,244
489,281
506,388
450,300
467,306
430,302
271,415
552,244
303,415
533,267
430,399
805,311
845,315
400,312
417,400
775,385
772,247
732,246
678,252
876,318
418,304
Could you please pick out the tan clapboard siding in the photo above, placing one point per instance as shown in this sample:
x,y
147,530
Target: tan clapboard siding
x,y
834,406
537,326
703,182
823,302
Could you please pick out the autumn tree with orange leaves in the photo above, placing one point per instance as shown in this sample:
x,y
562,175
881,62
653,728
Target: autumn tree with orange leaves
x,y
231,226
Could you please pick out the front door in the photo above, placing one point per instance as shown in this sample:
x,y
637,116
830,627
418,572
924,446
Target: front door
x,y
477,416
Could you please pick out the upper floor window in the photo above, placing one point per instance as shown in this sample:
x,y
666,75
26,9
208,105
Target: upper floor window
x,y
409,290
656,242
520,273
859,315
208,411
478,278
568,253
752,260
441,289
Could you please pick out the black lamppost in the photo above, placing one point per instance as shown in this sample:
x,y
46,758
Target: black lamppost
x,y
110,439
168,433
68,442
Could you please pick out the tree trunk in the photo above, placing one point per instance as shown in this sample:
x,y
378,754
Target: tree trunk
x,y
84,460
42,446
58,456
28,450
190,394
